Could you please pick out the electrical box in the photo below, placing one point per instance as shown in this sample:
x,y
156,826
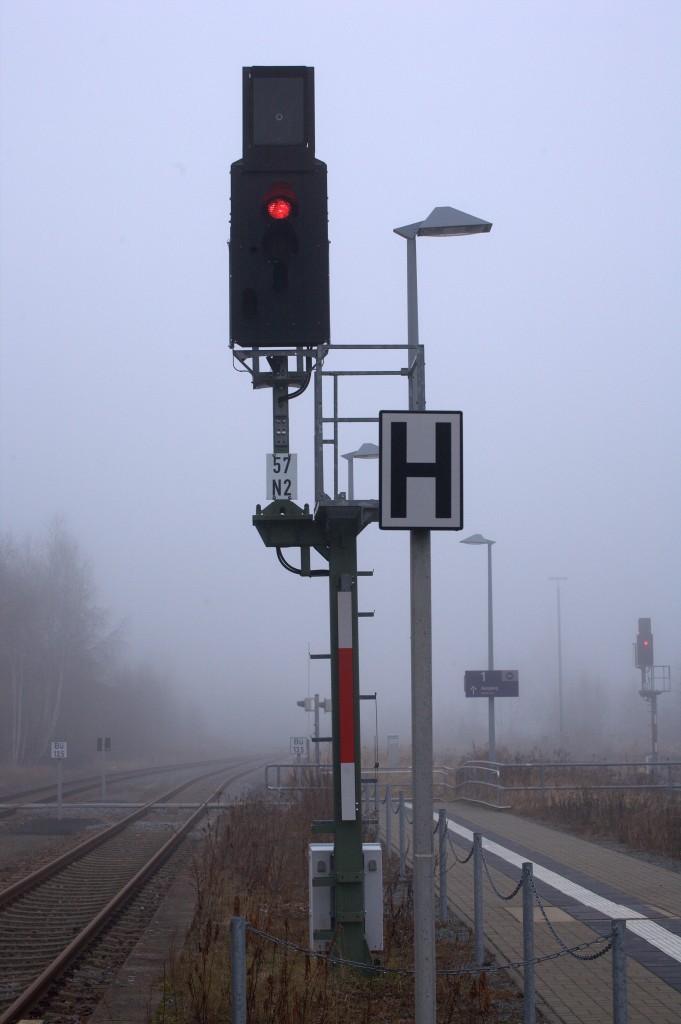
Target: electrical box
x,y
322,894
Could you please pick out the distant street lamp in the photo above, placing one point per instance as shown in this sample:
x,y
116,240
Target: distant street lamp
x,y
477,538
442,222
561,728
365,451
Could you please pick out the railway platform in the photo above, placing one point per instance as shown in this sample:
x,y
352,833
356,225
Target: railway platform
x,y
582,886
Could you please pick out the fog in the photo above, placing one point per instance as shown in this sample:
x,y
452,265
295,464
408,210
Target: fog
x,y
557,335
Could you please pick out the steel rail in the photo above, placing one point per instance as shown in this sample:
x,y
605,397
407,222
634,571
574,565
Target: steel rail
x,y
94,781
32,994
51,868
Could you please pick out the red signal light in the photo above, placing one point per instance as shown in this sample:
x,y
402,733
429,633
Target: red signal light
x,y
279,209
280,201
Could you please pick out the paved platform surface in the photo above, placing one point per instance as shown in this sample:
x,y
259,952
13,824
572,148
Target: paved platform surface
x,y
582,886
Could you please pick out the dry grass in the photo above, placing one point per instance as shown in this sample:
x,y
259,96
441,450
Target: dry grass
x,y
255,866
646,822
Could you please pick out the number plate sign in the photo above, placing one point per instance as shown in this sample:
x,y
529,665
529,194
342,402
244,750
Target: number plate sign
x,y
282,477
59,749
299,746
491,683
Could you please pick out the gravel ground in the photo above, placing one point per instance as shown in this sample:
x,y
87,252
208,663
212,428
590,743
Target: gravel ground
x,y
132,989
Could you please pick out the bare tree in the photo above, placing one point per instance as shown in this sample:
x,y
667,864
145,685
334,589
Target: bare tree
x,y
51,633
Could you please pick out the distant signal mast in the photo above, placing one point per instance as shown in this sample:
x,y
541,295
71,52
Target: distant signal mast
x,y
655,679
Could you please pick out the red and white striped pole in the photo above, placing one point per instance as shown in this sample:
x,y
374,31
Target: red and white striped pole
x,y
346,708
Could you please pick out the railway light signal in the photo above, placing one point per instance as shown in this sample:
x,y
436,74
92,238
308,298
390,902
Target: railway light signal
x,y
644,645
279,245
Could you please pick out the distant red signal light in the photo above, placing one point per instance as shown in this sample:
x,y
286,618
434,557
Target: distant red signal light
x,y
644,645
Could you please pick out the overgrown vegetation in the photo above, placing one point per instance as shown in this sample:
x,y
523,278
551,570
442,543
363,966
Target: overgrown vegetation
x,y
255,866
646,821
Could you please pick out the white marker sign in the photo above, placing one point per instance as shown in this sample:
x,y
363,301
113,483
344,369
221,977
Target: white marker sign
x,y
282,477
59,749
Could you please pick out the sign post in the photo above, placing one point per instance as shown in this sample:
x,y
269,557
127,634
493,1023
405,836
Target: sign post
x,y
420,489
59,753
103,745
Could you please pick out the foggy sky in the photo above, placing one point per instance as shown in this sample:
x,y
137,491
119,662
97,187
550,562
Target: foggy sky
x,y
557,335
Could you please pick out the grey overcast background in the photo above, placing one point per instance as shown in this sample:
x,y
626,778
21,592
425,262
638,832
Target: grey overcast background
x,y
557,335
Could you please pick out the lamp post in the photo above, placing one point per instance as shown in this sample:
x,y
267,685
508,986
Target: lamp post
x,y
442,222
477,538
561,731
365,451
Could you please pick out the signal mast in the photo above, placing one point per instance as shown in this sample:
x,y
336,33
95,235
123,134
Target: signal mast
x,y
655,679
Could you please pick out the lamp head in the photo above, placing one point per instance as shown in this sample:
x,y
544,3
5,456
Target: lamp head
x,y
365,451
445,221
476,538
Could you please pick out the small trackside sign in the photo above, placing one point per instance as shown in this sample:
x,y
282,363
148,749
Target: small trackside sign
x,y
299,746
282,477
420,470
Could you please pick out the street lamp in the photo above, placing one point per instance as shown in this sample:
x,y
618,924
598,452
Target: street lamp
x,y
442,222
365,451
561,732
477,538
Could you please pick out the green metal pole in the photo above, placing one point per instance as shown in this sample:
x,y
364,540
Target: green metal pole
x,y
349,939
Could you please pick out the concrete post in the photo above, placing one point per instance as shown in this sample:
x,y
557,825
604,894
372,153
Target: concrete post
x,y
402,820
442,851
388,821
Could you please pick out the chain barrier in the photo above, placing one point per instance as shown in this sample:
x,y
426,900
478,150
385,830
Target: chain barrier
x,y
572,950
459,860
491,881
445,972
560,941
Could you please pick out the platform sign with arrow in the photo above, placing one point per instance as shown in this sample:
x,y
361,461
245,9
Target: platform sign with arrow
x,y
491,683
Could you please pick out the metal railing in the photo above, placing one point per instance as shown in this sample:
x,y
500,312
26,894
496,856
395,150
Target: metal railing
x,y
492,784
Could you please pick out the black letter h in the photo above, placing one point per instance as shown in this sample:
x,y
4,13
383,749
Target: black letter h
x,y
400,469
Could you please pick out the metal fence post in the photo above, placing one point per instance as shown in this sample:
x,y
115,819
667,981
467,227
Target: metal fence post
x,y
529,1013
403,837
619,972
442,836
477,899
238,937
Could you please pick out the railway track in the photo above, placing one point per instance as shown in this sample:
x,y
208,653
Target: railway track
x,y
51,918
47,791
